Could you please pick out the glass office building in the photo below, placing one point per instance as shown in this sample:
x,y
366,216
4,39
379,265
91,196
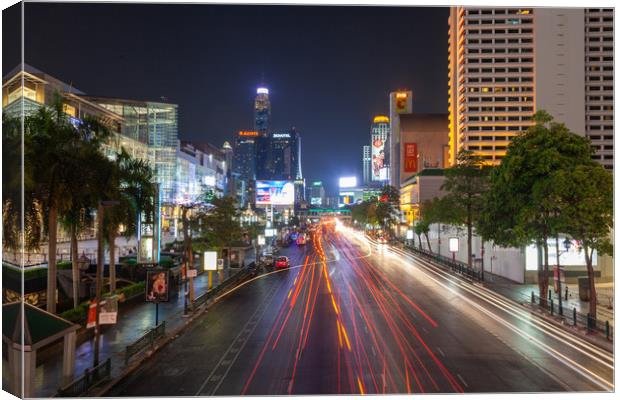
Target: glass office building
x,y
156,125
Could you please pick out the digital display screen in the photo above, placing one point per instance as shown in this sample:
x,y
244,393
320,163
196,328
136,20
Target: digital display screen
x,y
275,193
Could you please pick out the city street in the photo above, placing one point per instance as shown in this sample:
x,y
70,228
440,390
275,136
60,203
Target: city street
x,y
350,317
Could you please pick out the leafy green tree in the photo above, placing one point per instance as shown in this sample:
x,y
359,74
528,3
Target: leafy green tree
x,y
54,141
132,184
523,204
586,194
439,210
465,184
221,222
422,227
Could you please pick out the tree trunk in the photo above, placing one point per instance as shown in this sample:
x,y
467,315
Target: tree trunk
x,y
112,267
591,282
428,242
52,221
419,241
75,268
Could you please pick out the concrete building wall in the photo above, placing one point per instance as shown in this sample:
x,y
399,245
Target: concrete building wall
x,y
560,78
430,133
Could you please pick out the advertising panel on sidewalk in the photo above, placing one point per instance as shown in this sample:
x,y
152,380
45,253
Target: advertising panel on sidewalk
x,y
108,310
210,260
157,285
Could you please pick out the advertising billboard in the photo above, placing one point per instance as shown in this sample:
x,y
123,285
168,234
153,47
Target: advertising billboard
x,y
403,102
411,157
209,262
378,157
157,285
347,182
275,193
316,201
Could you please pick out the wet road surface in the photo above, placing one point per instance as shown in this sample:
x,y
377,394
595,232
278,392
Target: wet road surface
x,y
352,316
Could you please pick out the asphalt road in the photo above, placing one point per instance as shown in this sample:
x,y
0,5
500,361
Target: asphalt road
x,y
351,316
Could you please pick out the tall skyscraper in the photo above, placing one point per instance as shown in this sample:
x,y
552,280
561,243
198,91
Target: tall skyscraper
x,y
599,53
504,64
245,155
284,159
380,149
366,164
262,111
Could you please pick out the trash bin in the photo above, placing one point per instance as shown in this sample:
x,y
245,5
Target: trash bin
x,y
584,288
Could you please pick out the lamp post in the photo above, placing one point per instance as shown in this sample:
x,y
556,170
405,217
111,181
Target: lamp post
x,y
567,246
99,272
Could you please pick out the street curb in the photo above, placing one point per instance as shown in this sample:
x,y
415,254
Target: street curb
x,y
133,366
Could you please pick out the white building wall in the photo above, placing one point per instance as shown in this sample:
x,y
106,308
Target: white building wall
x,y
505,262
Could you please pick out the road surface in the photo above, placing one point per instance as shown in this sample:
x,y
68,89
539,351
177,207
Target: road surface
x,y
352,316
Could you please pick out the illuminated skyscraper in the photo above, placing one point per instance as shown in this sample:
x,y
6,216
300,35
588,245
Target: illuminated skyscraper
x,y
262,111
504,64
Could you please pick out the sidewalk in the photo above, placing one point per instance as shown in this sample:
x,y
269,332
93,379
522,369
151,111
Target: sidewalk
x,y
523,292
133,322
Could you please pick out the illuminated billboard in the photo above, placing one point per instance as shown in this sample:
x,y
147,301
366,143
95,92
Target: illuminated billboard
x,y
316,201
348,181
411,157
378,157
275,193
403,102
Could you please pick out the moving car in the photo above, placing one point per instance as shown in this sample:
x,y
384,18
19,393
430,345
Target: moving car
x,y
282,262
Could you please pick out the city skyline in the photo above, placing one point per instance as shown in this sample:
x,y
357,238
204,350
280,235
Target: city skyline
x,y
220,103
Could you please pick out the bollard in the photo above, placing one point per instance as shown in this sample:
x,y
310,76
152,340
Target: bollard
x,y
566,293
549,294
533,297
551,306
574,316
589,321
607,329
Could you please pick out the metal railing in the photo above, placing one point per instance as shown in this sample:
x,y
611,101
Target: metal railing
x,y
571,316
203,298
455,266
146,340
91,377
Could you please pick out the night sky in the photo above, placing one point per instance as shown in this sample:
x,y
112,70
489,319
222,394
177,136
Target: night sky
x,y
328,69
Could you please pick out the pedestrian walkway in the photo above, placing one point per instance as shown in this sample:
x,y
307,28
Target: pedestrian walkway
x,y
133,322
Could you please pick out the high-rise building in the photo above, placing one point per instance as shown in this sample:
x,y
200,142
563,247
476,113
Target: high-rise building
x,y
245,155
366,162
281,157
507,63
380,149
262,111
400,103
315,194
599,53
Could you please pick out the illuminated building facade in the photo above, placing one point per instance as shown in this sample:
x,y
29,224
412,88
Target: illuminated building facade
x,y
282,158
380,149
504,64
156,125
400,104
366,163
315,194
262,111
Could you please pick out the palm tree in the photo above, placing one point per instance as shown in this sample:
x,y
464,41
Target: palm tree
x,y
54,142
132,185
